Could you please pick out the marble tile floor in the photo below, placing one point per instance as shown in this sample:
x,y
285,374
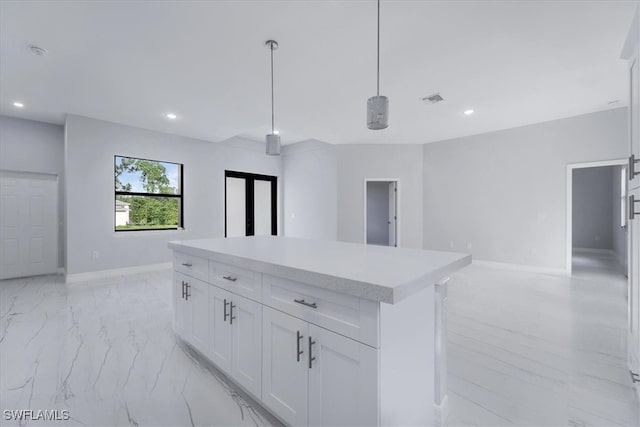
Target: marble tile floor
x,y
105,351
524,349
539,350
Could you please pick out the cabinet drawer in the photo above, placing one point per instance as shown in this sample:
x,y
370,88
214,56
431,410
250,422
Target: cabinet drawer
x,y
191,265
347,315
237,280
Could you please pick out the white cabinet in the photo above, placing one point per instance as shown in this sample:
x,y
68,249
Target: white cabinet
x,y
246,355
284,373
191,315
221,331
312,376
343,385
181,310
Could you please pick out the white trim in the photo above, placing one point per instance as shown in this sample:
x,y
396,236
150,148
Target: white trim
x,y
569,202
520,267
595,251
364,210
441,412
104,274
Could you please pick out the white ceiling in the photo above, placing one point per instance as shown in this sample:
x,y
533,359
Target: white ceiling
x,y
513,62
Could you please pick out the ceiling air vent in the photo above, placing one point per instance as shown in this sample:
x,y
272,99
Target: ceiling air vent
x,y
433,99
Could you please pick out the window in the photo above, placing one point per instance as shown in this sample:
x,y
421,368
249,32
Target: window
x,y
148,194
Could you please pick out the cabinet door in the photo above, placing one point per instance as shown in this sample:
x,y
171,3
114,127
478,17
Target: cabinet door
x,y
285,376
634,117
634,288
246,359
198,299
343,387
181,310
221,331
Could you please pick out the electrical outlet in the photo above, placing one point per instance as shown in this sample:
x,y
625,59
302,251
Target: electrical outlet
x,y
597,238
95,255
451,245
469,246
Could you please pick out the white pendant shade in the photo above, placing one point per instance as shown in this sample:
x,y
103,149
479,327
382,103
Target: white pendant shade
x,y
273,144
377,112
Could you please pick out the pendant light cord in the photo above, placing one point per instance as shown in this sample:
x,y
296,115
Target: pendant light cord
x,y
272,103
378,67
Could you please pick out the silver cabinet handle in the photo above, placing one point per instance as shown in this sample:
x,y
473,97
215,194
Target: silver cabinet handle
x,y
229,278
299,336
225,310
632,207
231,316
187,294
187,264
308,304
184,289
631,170
311,358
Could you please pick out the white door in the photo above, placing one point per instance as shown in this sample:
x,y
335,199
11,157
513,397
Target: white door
x,y
262,208
285,377
28,224
393,219
246,322
181,307
343,386
221,331
198,300
634,287
236,202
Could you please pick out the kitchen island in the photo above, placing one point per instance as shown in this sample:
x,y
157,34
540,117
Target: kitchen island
x,y
319,332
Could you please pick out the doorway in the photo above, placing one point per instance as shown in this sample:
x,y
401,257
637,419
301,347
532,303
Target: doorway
x,y
381,217
250,204
596,220
28,224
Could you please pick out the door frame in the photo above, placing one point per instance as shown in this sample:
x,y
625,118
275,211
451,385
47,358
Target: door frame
x,y
397,181
569,202
249,206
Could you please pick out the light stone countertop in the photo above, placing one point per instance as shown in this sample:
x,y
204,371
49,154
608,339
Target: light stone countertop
x,y
378,273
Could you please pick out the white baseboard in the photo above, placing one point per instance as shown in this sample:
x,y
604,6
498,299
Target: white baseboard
x,y
594,251
104,274
441,412
520,267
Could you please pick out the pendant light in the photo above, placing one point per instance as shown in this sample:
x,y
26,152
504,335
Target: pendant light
x,y
378,106
272,139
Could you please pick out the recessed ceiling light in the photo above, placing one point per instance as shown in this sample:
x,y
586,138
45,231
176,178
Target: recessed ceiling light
x,y
171,116
18,104
276,132
468,112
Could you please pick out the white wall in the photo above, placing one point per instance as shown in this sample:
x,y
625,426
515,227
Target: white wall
x,y
504,193
29,146
593,208
310,190
357,162
90,149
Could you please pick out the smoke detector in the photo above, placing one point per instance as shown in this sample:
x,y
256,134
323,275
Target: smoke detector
x,y
37,50
433,99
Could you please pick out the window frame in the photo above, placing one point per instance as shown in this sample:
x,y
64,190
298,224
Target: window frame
x,y
180,196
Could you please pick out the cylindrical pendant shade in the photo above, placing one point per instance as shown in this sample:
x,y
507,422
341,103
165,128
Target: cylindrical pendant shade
x,y
377,112
273,144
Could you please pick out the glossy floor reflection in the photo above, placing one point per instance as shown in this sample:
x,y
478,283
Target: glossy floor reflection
x,y
524,349
539,350
106,351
